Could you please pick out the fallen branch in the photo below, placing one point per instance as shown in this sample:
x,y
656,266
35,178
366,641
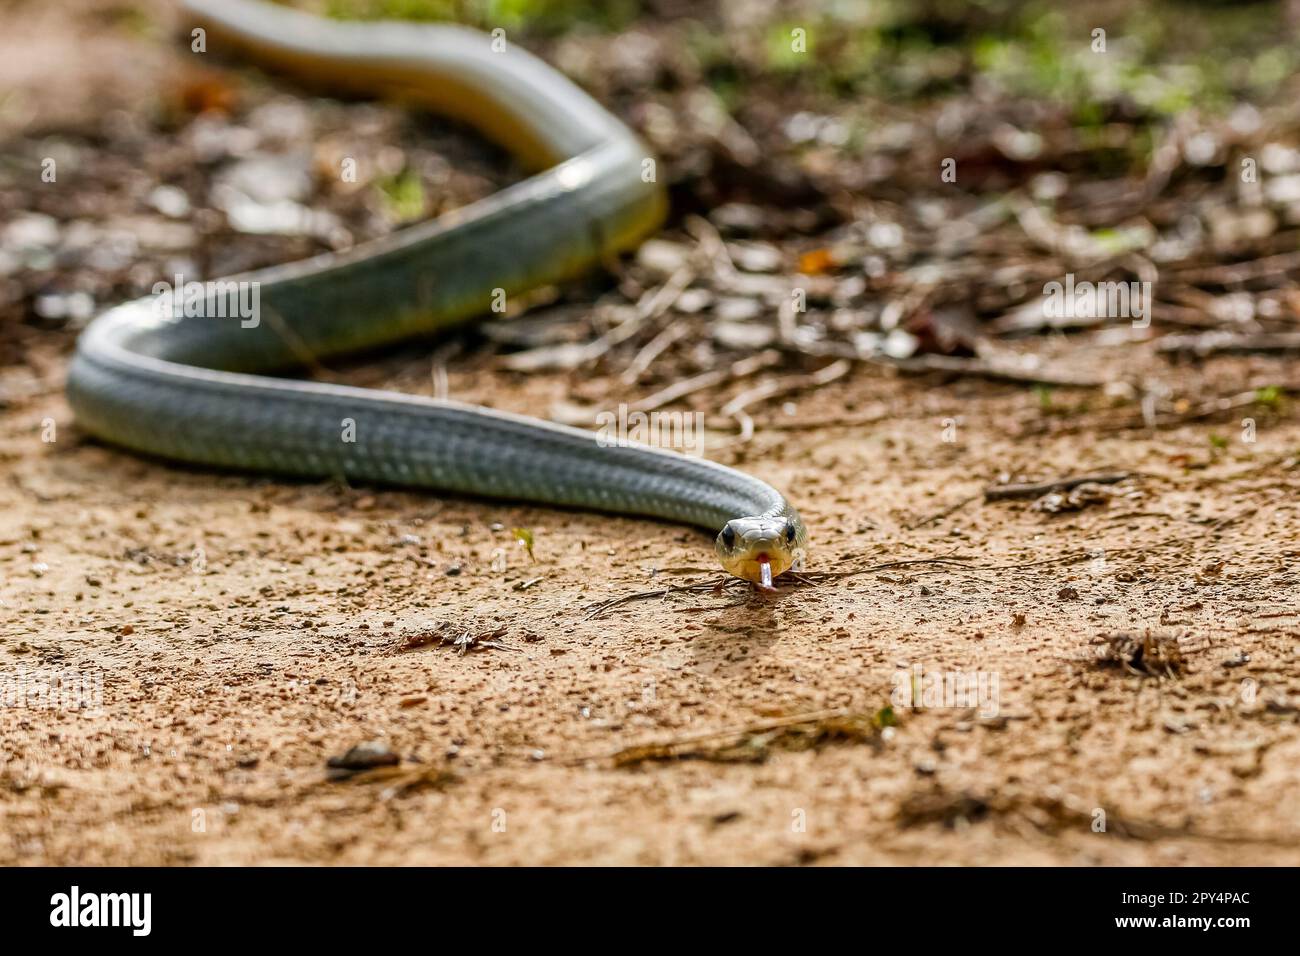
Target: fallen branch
x,y
741,368
997,369
737,407
568,356
1038,489
1230,343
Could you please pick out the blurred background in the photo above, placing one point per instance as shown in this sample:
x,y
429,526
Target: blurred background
x,y
1128,142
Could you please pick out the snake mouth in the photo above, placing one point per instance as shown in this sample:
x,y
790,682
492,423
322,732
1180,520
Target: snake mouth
x,y
760,568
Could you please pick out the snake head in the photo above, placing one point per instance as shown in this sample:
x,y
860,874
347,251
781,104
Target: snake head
x,y
760,548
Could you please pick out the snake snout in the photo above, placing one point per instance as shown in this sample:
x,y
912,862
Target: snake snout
x,y
756,549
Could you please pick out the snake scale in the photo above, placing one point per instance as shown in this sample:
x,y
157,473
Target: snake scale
x,y
193,386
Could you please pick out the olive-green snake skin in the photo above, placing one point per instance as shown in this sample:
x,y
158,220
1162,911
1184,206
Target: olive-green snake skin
x,y
193,388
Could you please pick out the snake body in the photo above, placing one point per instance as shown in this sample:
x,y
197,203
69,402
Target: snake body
x,y
195,388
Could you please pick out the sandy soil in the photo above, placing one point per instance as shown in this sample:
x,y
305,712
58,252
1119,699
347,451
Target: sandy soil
x,y
245,630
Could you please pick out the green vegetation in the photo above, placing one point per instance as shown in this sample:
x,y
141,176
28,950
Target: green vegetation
x,y
538,16
404,197
1044,395
1121,70
1270,396
1159,58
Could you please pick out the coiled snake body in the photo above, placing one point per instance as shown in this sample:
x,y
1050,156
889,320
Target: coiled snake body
x,y
192,387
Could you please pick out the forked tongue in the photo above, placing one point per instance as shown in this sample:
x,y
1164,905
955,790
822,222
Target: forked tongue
x,y
765,572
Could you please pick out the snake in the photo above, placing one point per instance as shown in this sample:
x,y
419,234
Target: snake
x,y
195,373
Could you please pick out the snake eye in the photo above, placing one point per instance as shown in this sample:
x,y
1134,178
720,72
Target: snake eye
x,y
728,536
789,533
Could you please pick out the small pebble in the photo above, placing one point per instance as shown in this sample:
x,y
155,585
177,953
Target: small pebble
x,y
372,753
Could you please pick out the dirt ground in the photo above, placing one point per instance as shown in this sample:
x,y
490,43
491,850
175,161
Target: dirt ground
x,y
227,683
246,630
